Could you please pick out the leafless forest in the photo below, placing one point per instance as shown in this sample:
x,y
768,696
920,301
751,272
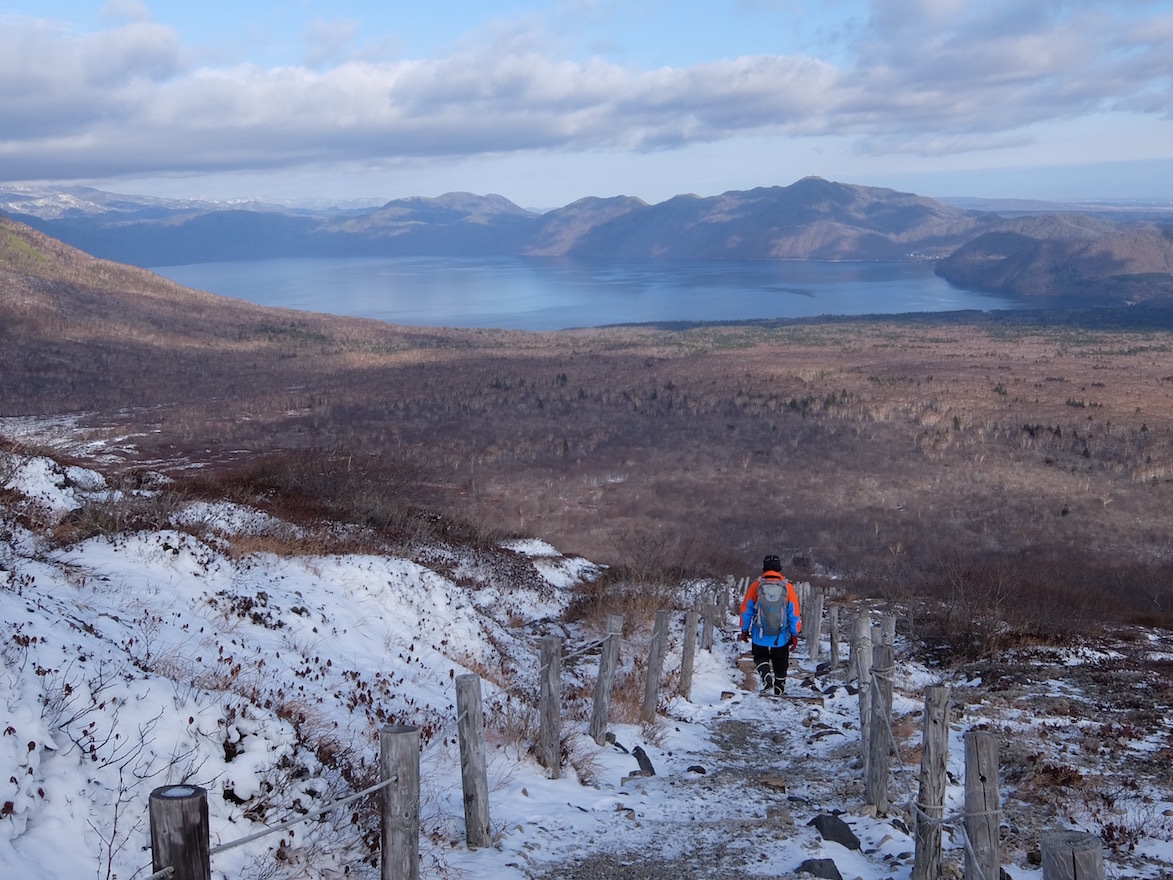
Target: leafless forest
x,y
1017,462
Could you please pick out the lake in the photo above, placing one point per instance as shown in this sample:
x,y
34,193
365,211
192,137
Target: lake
x,y
538,293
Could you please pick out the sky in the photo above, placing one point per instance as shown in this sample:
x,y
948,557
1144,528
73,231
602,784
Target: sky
x,y
181,654
548,101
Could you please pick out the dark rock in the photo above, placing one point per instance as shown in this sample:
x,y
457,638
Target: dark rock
x,y
836,830
645,763
697,768
825,868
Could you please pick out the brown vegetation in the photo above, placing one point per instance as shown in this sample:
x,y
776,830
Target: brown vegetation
x,y
1017,462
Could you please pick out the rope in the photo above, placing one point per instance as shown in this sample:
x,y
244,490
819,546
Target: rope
x,y
304,818
888,674
584,649
958,820
442,736
590,646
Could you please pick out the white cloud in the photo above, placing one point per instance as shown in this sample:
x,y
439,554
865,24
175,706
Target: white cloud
x,y
927,77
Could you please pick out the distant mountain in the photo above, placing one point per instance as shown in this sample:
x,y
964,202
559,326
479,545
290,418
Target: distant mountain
x,y
1068,255
1016,250
812,219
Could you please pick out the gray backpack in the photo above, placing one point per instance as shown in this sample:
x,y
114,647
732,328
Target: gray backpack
x,y
770,613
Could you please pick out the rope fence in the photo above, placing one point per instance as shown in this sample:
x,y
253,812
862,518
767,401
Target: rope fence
x,y
180,808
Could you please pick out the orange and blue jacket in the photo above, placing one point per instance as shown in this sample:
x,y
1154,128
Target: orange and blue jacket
x,y
792,626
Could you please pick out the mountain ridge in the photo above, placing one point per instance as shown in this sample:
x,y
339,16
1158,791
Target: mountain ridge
x,y
1045,253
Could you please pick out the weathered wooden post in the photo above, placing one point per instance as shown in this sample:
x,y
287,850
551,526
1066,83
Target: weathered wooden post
x,y
812,625
550,706
179,831
889,626
655,665
834,625
707,630
688,653
860,631
399,759
880,743
608,660
473,771
930,805
1072,855
982,810
861,654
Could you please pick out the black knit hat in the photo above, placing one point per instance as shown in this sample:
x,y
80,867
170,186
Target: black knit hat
x,y
772,563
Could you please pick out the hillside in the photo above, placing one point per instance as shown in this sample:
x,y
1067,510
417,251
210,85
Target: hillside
x,y
1077,257
168,636
930,447
81,333
235,540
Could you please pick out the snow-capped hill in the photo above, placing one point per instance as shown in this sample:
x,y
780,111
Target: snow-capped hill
x,y
159,656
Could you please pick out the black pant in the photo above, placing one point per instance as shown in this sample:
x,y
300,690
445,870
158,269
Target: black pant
x,y
772,662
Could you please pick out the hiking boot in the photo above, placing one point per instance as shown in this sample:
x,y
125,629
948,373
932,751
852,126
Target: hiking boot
x,y
767,677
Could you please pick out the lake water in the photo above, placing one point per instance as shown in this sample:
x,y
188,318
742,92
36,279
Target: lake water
x,y
537,293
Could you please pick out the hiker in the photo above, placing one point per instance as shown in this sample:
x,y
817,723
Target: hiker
x,y
770,617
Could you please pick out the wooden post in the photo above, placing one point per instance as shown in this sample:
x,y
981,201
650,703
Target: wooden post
x,y
655,665
608,660
812,625
982,810
688,653
834,625
1072,855
399,759
473,772
880,743
889,626
707,632
860,632
550,706
179,831
934,757
861,653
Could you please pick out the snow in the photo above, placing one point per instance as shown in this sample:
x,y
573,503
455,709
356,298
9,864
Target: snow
x,y
159,657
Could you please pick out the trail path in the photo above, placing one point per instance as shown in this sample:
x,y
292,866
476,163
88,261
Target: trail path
x,y
737,782
1085,737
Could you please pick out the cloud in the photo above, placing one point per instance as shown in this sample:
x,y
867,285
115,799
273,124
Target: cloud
x,y
926,77
54,83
